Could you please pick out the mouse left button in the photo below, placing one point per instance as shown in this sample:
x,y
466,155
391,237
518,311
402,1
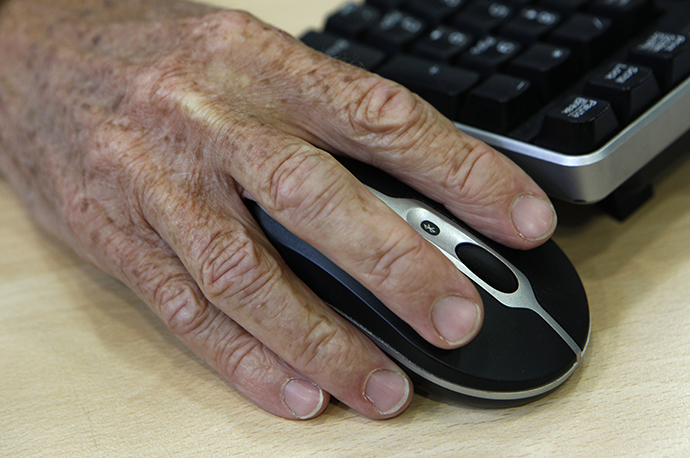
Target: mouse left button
x,y
487,267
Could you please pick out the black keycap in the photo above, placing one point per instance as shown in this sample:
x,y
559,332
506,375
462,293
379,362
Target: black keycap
x,y
589,37
565,6
629,88
499,104
344,49
490,54
387,4
484,16
353,20
443,86
531,24
628,16
549,68
577,125
435,11
395,31
443,44
667,54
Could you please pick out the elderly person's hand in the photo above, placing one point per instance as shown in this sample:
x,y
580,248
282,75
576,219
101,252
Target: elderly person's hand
x,y
133,129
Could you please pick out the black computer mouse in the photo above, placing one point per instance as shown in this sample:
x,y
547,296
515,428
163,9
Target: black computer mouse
x,y
536,316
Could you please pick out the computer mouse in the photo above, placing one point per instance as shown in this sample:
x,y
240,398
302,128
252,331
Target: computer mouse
x,y
536,314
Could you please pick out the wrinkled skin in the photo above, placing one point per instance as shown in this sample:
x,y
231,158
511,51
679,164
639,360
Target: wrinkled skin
x,y
133,130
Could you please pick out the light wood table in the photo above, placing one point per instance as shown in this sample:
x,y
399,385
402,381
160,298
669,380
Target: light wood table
x,y
87,370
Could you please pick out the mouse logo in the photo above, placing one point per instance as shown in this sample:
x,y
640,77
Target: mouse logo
x,y
430,228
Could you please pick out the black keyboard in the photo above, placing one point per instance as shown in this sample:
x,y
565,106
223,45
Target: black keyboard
x,y
583,94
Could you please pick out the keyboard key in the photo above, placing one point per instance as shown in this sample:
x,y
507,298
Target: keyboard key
x,y
490,54
627,15
531,24
443,44
484,16
577,125
667,54
550,68
344,49
435,11
395,31
352,20
499,104
629,88
589,37
443,86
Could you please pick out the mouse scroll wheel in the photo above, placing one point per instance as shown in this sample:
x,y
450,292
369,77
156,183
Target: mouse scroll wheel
x,y
487,267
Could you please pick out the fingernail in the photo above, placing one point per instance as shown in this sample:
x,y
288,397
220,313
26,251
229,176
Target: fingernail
x,y
455,319
303,398
388,391
533,217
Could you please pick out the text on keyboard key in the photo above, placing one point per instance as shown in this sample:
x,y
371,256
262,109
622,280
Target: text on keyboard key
x,y
628,87
667,54
577,125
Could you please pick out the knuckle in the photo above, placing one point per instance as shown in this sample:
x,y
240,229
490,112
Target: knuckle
x,y
287,176
385,109
478,177
180,308
303,184
242,360
233,265
324,347
396,260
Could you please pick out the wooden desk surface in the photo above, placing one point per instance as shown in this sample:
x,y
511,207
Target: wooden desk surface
x,y
88,370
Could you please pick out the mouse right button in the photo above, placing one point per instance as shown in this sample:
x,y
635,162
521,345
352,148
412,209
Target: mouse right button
x,y
487,267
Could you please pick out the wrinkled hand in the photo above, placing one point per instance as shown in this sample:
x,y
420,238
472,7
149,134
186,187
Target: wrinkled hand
x,y
133,132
